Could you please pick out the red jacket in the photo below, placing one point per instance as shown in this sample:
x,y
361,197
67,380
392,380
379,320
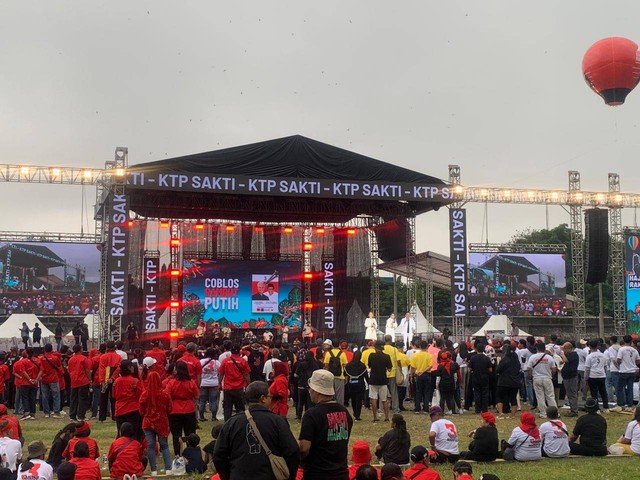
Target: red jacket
x,y
158,419
78,366
280,389
29,366
425,473
95,365
86,469
193,365
126,392
183,394
112,360
94,451
51,368
124,456
233,368
5,375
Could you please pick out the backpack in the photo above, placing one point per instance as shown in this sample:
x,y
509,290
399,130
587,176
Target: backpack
x,y
335,366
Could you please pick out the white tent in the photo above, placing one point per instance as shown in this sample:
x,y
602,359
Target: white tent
x,y
499,325
422,324
12,325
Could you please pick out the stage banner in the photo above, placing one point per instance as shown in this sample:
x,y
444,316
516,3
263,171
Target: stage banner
x,y
117,246
458,262
632,280
150,290
241,294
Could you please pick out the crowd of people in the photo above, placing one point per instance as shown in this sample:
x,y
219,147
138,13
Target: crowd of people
x,y
50,303
519,306
156,394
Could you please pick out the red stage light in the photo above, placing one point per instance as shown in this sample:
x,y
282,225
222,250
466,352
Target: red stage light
x,y
229,228
258,228
308,275
175,273
199,226
174,334
164,224
308,305
320,230
307,246
174,303
288,229
130,223
175,242
351,231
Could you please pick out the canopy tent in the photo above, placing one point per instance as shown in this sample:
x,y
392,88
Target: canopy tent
x,y
12,325
499,325
422,324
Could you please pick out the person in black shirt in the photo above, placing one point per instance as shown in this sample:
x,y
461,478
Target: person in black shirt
x,y
379,363
570,376
393,446
58,336
37,334
357,379
303,369
484,446
324,435
592,430
508,383
480,366
193,454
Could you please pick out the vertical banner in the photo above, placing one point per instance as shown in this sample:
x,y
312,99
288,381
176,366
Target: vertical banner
x,y
150,289
632,281
117,246
458,262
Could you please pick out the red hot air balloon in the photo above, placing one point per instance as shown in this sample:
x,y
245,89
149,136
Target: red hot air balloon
x,y
611,67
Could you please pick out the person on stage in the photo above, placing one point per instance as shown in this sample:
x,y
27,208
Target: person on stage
x,y
392,324
371,325
408,328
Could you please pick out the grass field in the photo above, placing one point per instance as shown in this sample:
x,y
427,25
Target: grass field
x,y
418,425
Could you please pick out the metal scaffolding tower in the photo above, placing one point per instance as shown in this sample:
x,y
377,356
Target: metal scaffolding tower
x,y
411,262
577,257
375,272
617,259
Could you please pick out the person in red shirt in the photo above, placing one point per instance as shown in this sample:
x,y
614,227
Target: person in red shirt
x,y
5,375
52,370
107,373
155,407
15,429
420,469
83,430
94,356
279,389
126,454
79,368
126,392
462,471
183,392
160,356
344,346
27,375
193,362
360,455
86,468
233,374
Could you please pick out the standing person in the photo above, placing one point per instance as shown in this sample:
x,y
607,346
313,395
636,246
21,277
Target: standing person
x,y
77,333
555,438
371,327
570,376
132,335
183,392
155,407
613,374
508,383
267,369
591,429
209,391
391,326
107,373
627,359
84,336
408,328
540,369
481,368
35,468
96,386
256,362
304,368
390,349
526,389
485,446
379,364
37,334
443,437
80,372
324,435
525,439
421,364
159,355
51,367
234,377
193,362
27,373
595,373
279,389
126,392
24,333
357,379
57,335
335,360
238,453
447,375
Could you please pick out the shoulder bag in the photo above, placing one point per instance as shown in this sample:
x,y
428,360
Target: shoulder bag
x,y
278,464
509,452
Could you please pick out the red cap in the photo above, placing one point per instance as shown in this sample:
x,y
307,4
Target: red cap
x,y
3,409
84,427
360,452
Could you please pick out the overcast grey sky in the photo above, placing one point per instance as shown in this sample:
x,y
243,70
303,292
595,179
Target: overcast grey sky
x,y
494,86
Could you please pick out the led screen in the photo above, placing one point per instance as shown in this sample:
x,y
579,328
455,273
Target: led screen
x,y
517,284
241,294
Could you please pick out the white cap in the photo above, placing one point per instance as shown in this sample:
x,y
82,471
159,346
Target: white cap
x,y
328,342
149,362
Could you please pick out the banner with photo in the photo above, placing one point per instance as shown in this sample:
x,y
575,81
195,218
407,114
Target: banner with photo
x,y
632,281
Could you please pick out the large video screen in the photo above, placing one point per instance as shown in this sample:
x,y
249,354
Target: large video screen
x,y
517,284
49,278
241,294
632,281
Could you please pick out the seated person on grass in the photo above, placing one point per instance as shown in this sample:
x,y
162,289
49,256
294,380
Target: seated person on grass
x,y
192,454
127,455
555,438
592,431
484,446
630,441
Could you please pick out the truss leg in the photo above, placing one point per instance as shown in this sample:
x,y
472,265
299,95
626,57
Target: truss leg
x,y
577,256
617,258
411,262
375,272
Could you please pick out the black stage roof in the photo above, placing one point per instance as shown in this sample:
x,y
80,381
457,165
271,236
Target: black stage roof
x,y
511,265
297,165
27,255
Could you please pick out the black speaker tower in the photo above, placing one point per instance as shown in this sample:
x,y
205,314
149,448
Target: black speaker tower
x,y
596,221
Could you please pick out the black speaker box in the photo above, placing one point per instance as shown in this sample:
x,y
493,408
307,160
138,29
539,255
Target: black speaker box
x,y
596,221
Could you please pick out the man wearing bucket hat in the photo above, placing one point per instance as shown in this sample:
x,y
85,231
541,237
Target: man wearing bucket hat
x,y
324,434
35,467
592,431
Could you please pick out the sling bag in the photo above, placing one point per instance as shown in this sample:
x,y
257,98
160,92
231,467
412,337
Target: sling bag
x,y
278,464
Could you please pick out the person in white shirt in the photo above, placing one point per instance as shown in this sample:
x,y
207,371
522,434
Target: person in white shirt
x,y
555,437
613,375
443,437
121,352
525,439
408,328
371,327
392,324
627,360
209,388
630,441
595,372
540,369
267,370
582,350
10,450
35,468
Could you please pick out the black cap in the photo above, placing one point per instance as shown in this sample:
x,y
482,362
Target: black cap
x,y
418,453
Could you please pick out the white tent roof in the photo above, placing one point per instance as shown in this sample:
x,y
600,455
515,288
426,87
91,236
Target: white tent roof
x,y
499,325
12,325
422,324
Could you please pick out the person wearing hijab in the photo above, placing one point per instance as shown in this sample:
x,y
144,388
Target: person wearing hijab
x,y
279,389
525,439
155,407
484,446
447,375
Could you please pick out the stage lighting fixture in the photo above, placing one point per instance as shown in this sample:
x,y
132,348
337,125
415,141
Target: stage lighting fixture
x,y
308,305
599,197
351,231
531,195
55,172
554,195
130,223
307,246
308,275
164,224
174,303
618,198
119,172
230,228
174,334
458,190
24,170
175,273
199,226
175,242
578,196
258,228
288,229
320,230
484,193
88,174
507,194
